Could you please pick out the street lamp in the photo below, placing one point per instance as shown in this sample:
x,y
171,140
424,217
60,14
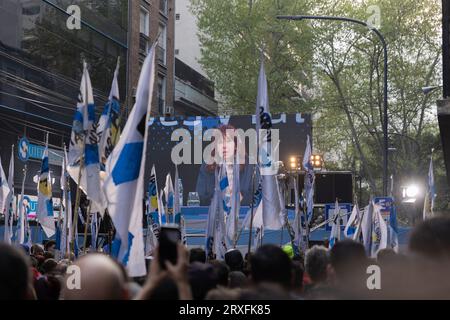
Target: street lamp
x,y
385,82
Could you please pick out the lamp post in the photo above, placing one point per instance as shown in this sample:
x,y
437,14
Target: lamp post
x,y
385,82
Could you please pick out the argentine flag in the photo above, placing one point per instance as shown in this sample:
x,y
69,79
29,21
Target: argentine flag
x,y
169,196
309,179
215,227
7,206
335,234
108,123
124,182
379,232
4,190
271,210
235,205
428,206
152,212
84,142
366,227
45,202
352,223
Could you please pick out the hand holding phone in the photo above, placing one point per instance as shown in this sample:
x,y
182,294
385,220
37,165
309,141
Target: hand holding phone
x,y
169,237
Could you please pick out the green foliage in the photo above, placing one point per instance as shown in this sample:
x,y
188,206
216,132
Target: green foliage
x,y
336,69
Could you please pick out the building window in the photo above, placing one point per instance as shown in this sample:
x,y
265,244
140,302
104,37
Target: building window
x,y
162,44
163,6
144,30
177,16
161,95
144,22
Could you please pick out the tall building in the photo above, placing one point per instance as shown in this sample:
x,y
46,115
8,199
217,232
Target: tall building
x,y
194,92
148,20
40,71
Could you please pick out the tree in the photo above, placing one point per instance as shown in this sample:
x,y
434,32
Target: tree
x,y
340,66
232,34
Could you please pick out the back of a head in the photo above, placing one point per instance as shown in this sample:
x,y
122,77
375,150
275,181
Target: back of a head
x,y
14,273
202,279
166,289
221,271
197,255
265,291
234,260
237,279
431,238
316,263
49,266
348,259
100,279
271,264
37,250
297,275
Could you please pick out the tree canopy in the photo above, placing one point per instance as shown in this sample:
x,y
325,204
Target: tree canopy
x,y
335,71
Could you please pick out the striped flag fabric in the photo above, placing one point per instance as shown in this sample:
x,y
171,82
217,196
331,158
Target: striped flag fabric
x,y
9,207
108,129
352,223
309,179
153,214
44,210
430,195
169,197
4,190
335,234
235,205
84,143
124,181
271,209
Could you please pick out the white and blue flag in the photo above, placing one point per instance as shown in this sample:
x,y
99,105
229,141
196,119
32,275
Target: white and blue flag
x,y
379,232
235,205
8,207
393,230
44,210
124,182
215,246
84,143
108,130
428,207
335,234
153,214
268,157
4,190
309,179
352,223
169,197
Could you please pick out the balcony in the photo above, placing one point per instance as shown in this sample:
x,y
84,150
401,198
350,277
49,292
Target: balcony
x,y
143,44
190,97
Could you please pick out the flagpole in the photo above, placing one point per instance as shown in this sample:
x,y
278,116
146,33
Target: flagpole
x,y
88,216
78,193
22,219
66,224
305,215
251,213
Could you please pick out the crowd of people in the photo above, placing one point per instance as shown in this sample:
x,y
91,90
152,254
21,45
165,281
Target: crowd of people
x,y
270,273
